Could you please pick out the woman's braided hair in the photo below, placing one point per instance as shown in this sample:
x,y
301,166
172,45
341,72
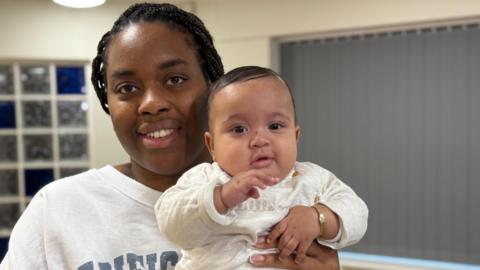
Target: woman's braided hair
x,y
209,60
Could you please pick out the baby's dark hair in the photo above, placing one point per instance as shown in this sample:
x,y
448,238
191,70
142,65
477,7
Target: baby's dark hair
x,y
187,22
243,74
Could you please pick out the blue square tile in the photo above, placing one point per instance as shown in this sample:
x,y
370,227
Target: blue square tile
x,y
70,80
7,114
3,247
35,179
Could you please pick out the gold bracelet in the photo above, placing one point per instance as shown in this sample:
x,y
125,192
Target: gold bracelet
x,y
321,219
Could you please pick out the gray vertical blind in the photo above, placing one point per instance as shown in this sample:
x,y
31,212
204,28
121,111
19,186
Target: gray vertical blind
x,y
397,117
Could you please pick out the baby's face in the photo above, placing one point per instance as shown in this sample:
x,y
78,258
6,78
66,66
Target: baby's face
x,y
252,126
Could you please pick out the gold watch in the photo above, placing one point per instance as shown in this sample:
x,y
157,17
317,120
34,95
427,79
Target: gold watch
x,y
321,218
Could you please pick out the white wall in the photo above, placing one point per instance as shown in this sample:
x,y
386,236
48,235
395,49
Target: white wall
x,y
39,29
243,29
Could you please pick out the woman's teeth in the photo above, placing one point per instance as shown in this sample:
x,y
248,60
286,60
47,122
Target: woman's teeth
x,y
160,133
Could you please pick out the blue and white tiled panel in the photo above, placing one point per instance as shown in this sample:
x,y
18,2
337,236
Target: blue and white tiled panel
x,y
35,179
36,79
34,128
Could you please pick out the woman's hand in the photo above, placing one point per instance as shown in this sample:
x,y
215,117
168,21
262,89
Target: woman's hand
x,y
318,257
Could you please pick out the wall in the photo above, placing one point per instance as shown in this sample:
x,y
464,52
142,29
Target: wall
x,y
39,29
247,26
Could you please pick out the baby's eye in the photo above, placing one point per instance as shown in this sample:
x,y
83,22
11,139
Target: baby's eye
x,y
175,80
239,129
126,89
275,126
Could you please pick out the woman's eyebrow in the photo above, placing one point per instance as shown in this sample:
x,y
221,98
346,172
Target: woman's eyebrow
x,y
122,73
164,65
172,63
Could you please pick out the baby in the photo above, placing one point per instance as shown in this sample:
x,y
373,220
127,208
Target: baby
x,y
218,212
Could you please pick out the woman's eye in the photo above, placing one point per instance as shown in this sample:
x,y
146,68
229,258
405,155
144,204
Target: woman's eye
x,y
239,129
175,80
275,126
126,89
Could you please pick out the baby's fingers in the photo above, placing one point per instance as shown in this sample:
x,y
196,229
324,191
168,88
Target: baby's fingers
x,y
276,231
288,248
301,252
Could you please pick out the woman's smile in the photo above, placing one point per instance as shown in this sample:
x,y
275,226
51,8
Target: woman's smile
x,y
160,134
160,139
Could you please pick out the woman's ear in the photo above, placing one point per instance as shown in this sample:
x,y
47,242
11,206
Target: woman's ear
x,y
297,133
209,143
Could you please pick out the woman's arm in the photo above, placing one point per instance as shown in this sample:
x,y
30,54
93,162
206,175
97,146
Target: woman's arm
x,y
318,257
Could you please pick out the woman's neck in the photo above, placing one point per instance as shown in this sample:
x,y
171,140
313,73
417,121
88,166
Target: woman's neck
x,y
155,180
146,177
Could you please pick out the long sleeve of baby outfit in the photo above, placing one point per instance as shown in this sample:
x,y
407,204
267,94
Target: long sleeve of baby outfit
x,y
186,213
342,200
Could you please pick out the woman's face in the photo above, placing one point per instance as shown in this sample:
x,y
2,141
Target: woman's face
x,y
156,95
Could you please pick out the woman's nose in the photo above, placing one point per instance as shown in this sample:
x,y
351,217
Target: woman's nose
x,y
154,101
259,140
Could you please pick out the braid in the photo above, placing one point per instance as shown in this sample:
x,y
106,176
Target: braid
x,y
187,22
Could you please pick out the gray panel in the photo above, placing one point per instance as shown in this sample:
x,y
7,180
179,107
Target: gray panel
x,y
473,150
396,117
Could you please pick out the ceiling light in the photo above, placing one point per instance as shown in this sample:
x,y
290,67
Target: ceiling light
x,y
79,3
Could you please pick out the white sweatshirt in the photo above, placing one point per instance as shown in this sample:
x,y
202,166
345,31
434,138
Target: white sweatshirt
x,y
209,240
100,219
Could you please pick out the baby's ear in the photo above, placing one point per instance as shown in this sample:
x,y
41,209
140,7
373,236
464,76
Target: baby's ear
x,y
209,143
297,133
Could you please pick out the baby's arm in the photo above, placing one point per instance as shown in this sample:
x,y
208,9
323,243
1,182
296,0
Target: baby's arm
x,y
195,210
300,228
344,212
183,211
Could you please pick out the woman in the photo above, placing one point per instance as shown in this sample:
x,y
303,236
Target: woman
x,y
150,74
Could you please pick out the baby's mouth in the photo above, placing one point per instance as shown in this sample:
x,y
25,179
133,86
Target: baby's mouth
x,y
262,162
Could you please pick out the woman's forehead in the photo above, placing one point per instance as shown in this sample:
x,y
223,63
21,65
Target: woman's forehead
x,y
151,32
150,41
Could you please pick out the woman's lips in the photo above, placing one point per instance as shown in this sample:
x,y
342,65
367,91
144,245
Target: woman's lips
x,y
160,134
164,132
160,139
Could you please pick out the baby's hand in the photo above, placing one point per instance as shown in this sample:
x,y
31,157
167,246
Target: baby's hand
x,y
296,232
244,185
